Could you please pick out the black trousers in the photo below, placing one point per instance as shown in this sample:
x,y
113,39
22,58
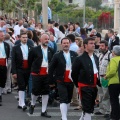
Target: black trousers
x,y
65,91
88,96
3,76
114,92
22,79
40,85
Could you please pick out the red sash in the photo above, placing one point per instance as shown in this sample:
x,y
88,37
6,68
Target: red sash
x,y
3,61
25,64
43,71
80,85
66,76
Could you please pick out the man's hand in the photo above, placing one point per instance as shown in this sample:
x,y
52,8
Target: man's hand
x,y
14,76
52,85
105,77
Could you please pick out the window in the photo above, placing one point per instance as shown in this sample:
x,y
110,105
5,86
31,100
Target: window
x,y
70,1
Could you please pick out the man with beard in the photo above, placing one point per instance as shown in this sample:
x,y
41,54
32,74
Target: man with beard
x,y
39,59
20,70
4,55
84,74
60,67
104,58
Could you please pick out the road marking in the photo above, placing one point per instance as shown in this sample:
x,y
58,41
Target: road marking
x,y
73,114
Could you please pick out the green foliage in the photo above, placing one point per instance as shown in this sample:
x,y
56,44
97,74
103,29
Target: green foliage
x,y
7,5
53,4
31,4
60,6
94,3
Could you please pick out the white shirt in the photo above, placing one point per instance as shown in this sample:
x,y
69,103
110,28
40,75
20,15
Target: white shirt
x,y
56,32
17,29
60,37
45,57
24,49
2,51
74,47
94,64
68,60
85,25
91,26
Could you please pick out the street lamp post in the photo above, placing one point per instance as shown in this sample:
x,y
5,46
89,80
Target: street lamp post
x,y
45,13
84,12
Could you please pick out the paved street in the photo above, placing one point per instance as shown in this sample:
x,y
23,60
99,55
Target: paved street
x,y
9,111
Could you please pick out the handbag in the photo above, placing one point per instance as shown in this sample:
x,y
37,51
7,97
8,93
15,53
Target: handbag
x,y
104,82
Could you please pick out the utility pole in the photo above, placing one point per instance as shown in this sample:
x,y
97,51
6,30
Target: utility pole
x,y
45,13
84,11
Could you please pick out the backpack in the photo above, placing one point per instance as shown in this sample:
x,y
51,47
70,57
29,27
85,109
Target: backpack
x,y
109,56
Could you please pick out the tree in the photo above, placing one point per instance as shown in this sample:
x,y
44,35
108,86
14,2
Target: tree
x,y
105,19
7,5
53,4
94,3
60,6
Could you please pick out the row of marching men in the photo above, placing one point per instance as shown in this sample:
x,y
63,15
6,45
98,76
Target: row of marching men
x,y
43,65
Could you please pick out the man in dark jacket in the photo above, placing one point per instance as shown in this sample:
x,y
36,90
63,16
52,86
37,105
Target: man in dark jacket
x,y
4,55
60,67
39,59
113,40
20,70
84,75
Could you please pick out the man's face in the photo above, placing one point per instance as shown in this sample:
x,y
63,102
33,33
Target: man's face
x,y
102,47
93,32
110,34
20,22
51,38
90,46
1,36
44,39
24,38
65,44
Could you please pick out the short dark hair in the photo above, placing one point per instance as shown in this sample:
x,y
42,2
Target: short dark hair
x,y
71,37
88,39
64,39
56,25
111,31
77,23
104,42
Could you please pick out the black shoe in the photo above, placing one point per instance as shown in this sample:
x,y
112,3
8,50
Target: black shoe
x,y
24,107
31,109
44,114
19,107
98,113
0,98
106,116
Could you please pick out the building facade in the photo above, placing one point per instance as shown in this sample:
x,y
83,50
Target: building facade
x,y
117,15
108,3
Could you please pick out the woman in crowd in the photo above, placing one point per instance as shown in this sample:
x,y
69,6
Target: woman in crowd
x,y
77,40
61,34
113,77
71,30
83,33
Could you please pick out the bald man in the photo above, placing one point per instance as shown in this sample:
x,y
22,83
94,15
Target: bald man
x,y
39,59
17,28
